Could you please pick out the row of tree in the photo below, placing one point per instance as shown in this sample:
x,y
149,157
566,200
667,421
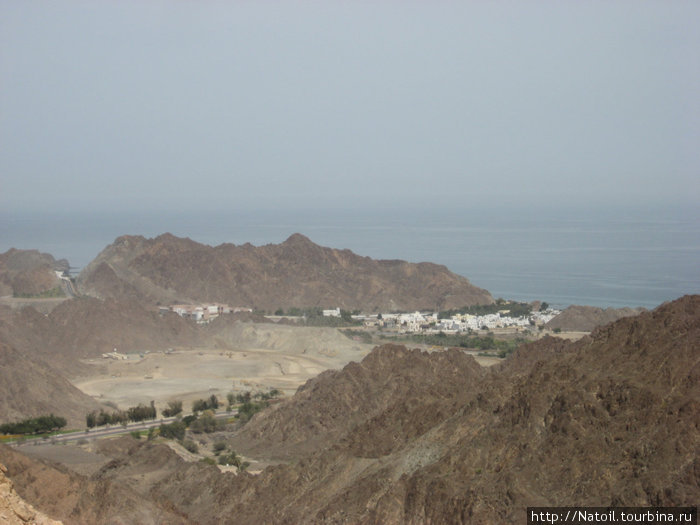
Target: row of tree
x,y
121,417
36,425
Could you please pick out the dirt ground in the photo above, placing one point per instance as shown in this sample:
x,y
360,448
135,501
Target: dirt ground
x,y
255,357
193,374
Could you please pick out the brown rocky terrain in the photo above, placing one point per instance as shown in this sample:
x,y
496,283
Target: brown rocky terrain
x,y
28,272
30,388
610,420
325,407
14,510
38,352
586,318
76,499
87,327
296,272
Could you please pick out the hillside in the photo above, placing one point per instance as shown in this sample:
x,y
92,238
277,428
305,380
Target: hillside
x,y
77,499
38,352
296,272
14,510
586,318
28,272
327,406
87,327
30,388
413,437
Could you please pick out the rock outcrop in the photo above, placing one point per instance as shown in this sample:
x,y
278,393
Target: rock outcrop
x,y
586,318
14,510
26,273
295,273
415,437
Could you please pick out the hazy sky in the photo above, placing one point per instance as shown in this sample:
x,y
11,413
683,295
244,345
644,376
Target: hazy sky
x,y
181,104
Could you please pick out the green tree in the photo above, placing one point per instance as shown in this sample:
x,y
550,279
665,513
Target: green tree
x,y
174,430
174,408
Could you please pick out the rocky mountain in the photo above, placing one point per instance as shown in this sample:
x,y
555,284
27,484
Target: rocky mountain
x,y
30,388
413,437
28,272
586,318
77,499
39,351
14,510
296,272
390,378
86,327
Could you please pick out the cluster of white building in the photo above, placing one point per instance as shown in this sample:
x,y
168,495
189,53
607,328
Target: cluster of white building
x,y
421,322
203,313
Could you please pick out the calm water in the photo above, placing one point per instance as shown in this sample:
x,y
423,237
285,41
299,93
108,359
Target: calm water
x,y
597,257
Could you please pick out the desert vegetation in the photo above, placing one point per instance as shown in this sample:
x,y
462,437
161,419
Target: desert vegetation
x,y
121,417
36,425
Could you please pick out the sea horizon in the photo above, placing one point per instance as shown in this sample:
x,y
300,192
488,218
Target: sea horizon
x,y
605,257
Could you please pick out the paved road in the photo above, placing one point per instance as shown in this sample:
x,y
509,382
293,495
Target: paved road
x,y
110,430
68,287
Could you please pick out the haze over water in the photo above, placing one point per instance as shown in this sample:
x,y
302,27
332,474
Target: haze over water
x,y
562,256
545,150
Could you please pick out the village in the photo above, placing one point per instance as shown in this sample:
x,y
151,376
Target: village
x,y
431,323
409,323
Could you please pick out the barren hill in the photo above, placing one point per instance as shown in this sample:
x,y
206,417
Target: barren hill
x,y
14,510
28,272
415,437
325,407
586,318
611,419
38,352
30,388
296,272
87,327
77,499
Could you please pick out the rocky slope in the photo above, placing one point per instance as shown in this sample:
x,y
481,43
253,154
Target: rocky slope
x,y
38,352
79,500
325,407
296,272
411,437
586,318
609,420
87,327
14,510
30,388
28,272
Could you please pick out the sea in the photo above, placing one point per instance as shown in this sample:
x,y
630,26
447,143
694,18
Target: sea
x,y
606,256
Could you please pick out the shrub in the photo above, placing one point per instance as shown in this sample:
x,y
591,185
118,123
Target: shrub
x,y
175,430
205,423
190,446
200,405
174,408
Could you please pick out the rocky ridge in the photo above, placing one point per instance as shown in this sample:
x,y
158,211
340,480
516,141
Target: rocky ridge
x,y
296,272
586,318
28,272
415,437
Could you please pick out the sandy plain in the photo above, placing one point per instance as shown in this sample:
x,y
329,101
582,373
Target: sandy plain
x,y
250,357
